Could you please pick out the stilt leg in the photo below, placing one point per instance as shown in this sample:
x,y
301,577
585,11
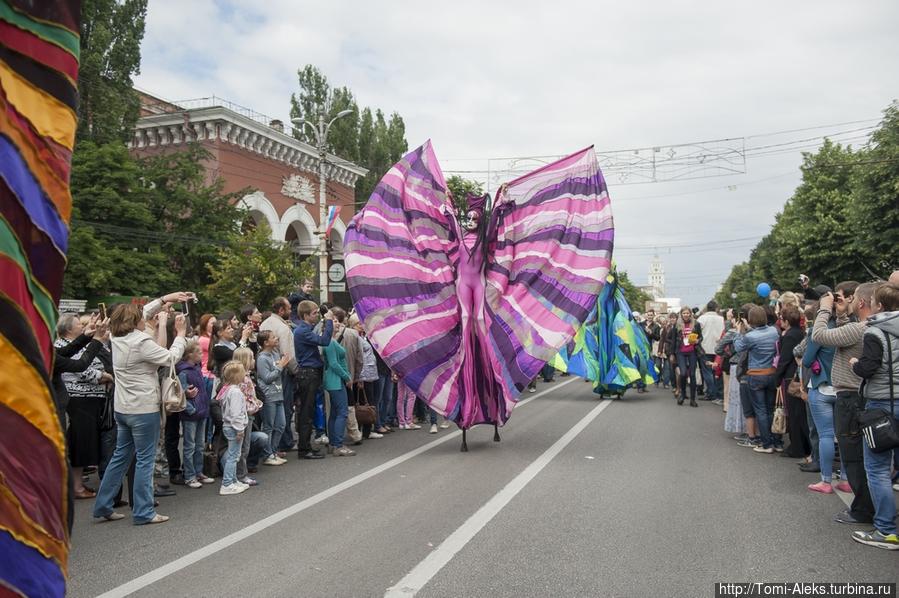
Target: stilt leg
x,y
464,448
495,433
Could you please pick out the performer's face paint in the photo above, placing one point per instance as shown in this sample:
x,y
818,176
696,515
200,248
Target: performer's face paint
x,y
471,220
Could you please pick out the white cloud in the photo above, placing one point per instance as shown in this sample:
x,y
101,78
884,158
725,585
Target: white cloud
x,y
522,78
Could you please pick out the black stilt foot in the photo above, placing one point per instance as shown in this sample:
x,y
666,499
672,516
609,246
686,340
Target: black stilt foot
x,y
464,448
495,433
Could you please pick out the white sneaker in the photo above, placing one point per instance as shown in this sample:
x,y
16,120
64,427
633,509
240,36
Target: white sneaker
x,y
194,483
273,460
895,487
323,439
433,429
205,479
236,488
444,425
242,484
375,435
413,427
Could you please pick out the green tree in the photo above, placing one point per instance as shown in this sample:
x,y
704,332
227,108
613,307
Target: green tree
x,y
110,250
254,269
635,297
875,206
195,216
365,137
460,188
111,34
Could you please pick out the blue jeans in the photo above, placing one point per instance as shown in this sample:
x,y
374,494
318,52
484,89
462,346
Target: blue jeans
x,y
259,445
763,390
548,372
229,459
385,400
337,416
821,406
135,434
273,424
193,435
712,384
288,383
877,466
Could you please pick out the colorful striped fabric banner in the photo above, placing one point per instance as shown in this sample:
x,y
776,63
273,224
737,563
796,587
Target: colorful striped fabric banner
x,y
467,329
39,53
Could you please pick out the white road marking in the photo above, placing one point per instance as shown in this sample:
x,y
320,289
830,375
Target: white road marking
x,y
189,559
443,554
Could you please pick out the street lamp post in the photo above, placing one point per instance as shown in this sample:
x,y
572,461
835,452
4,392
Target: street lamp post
x,y
320,130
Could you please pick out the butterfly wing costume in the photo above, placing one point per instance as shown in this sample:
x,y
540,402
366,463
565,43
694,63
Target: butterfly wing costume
x,y
611,349
467,320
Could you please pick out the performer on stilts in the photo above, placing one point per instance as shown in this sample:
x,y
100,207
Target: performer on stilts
x,y
467,313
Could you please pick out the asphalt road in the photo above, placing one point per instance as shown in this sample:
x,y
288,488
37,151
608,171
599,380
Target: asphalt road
x,y
637,497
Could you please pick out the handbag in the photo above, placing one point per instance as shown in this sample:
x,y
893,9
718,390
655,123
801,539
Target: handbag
x,y
794,389
779,419
174,399
879,427
366,415
107,412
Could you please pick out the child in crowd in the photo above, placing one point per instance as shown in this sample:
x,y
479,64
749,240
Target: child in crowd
x,y
269,366
234,424
248,387
405,404
193,418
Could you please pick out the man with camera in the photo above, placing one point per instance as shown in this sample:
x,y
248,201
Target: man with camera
x,y
850,305
712,328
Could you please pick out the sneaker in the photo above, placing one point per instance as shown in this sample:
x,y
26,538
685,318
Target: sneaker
x,y
822,487
413,427
778,449
205,479
321,440
741,437
747,443
444,425
895,487
843,487
235,488
433,429
761,449
248,481
532,390
846,517
344,452
274,460
375,435
194,483
877,539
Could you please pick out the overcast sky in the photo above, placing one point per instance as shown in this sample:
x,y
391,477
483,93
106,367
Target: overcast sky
x,y
507,79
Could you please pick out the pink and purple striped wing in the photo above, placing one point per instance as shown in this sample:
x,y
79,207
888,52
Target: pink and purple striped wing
x,y
400,253
550,251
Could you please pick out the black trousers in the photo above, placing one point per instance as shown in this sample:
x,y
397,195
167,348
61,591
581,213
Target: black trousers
x,y
172,441
309,380
845,421
797,427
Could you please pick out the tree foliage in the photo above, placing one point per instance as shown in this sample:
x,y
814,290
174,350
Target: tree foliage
x,y
365,137
635,297
111,33
461,188
144,226
254,269
842,222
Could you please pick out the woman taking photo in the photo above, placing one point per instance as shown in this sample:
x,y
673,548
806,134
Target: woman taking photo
x,y
761,344
137,358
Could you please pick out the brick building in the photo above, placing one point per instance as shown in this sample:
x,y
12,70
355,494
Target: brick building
x,y
249,150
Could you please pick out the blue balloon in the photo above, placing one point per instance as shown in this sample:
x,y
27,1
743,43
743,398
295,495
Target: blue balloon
x,y
764,289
